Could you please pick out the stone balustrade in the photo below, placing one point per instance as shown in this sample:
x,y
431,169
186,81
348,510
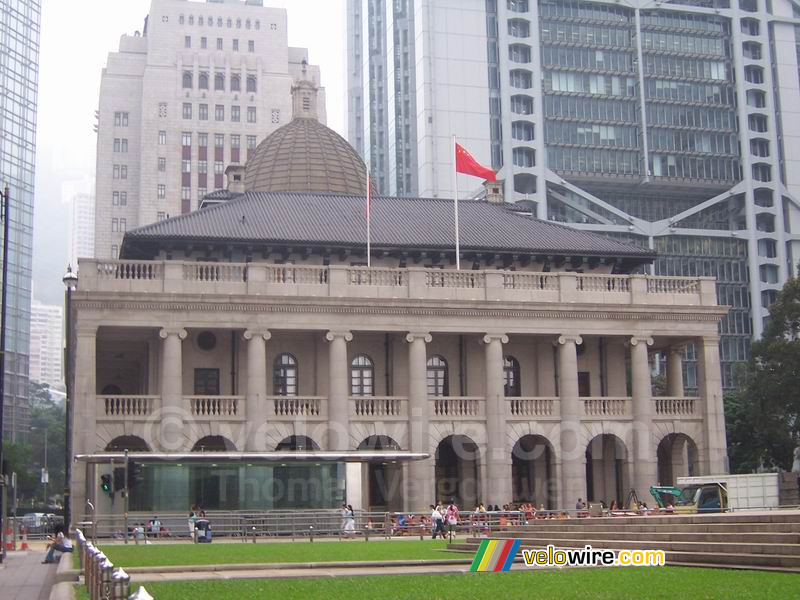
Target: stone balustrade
x,y
127,408
293,408
216,407
607,408
532,409
447,408
412,283
676,407
369,408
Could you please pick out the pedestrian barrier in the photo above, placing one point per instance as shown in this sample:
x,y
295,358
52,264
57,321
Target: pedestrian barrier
x,y
103,581
23,535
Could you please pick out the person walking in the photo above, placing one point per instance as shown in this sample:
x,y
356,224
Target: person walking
x,y
349,522
451,516
437,521
193,516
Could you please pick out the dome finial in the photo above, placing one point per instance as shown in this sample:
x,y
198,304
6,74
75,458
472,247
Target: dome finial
x,y
304,100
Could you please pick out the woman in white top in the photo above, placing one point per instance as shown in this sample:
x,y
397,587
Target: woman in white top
x,y
349,522
62,543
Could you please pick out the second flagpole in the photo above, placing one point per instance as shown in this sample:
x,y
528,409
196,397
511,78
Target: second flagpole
x,y
455,202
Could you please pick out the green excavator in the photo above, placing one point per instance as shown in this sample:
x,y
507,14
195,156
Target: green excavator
x,y
693,498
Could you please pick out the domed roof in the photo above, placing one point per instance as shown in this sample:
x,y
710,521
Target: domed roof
x,y
305,155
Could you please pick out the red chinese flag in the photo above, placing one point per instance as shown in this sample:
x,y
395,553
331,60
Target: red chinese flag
x,y
466,164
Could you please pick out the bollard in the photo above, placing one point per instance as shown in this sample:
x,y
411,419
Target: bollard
x,y
121,585
311,533
366,533
254,534
106,579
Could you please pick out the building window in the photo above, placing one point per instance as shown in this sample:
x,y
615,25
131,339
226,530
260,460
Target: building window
x,y
186,138
276,115
252,141
219,43
251,83
186,166
202,140
202,166
114,251
187,41
186,193
202,112
438,379
219,140
236,83
251,114
511,376
258,24
115,225
235,45
181,19
187,80
116,171
236,141
160,215
123,198
238,23
247,24
162,110
203,42
219,168
362,376
162,191
123,225
123,145
187,110
162,138
121,119
115,198
251,46
235,114
219,112
284,375
219,82
123,171
116,144
230,22
203,81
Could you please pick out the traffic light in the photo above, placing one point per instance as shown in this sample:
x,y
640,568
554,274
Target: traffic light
x,y
106,484
135,474
119,479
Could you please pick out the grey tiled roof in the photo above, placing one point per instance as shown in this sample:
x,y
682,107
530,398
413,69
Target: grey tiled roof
x,y
406,223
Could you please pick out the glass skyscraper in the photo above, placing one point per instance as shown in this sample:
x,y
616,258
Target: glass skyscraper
x,y
19,74
670,124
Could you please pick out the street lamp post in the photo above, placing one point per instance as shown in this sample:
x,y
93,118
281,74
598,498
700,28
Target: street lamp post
x,y
70,280
6,196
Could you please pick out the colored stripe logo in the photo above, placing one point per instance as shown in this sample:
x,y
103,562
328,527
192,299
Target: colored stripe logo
x,y
495,555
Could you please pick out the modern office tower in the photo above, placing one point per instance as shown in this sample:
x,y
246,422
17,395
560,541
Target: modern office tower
x,y
19,74
669,124
79,195
193,92
46,344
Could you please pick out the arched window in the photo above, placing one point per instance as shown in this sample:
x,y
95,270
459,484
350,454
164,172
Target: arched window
x,y
251,83
512,385
438,379
362,376
236,83
284,375
219,82
187,80
203,81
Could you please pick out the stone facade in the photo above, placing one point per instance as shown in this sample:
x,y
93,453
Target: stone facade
x,y
511,381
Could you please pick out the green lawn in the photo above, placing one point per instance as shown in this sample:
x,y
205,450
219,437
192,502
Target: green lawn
x,y
238,553
653,583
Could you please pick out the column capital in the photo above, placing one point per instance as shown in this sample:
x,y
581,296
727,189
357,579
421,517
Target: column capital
x,y
86,330
641,339
255,333
168,331
679,349
492,337
332,335
419,335
569,337
709,339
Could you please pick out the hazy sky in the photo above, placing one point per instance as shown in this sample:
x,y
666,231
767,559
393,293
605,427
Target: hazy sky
x,y
77,36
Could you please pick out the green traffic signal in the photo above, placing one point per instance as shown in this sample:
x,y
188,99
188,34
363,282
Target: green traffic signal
x,y
105,484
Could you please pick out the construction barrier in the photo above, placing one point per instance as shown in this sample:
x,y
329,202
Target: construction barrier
x,y
23,536
10,539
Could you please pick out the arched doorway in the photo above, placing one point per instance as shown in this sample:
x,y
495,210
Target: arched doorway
x,y
677,457
214,443
457,471
131,443
606,477
212,486
533,471
384,481
299,443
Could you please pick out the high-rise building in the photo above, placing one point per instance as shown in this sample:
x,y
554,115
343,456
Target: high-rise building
x,y
46,338
193,92
19,74
79,195
672,125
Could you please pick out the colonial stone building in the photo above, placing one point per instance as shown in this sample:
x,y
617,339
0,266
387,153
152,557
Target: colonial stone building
x,y
246,345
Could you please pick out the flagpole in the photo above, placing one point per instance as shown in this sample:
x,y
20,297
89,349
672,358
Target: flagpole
x,y
455,204
369,218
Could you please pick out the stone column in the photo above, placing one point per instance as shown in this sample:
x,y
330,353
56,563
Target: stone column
x,y
256,403
675,372
645,467
569,450
419,485
616,382
172,367
338,390
497,485
709,379
84,415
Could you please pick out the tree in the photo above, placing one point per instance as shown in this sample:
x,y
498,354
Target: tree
x,y
762,418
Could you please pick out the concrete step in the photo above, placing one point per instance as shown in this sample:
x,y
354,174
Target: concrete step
x,y
645,527
775,516
667,546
